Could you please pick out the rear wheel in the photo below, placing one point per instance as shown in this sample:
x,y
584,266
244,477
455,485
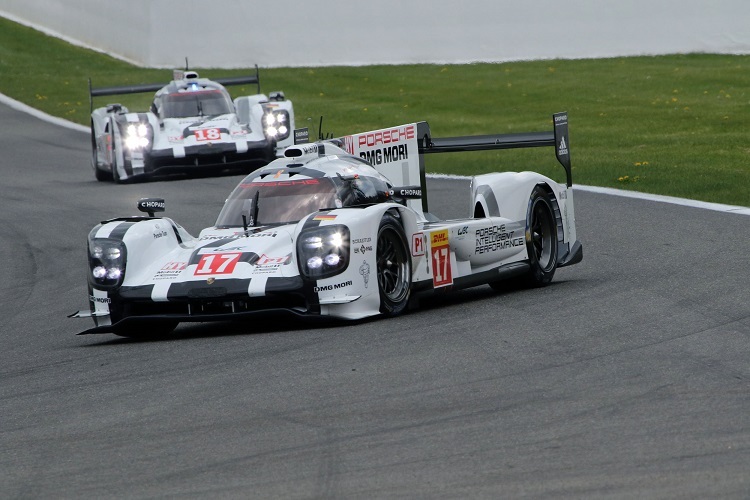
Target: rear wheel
x,y
541,243
393,267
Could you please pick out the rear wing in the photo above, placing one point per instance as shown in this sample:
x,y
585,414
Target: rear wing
x,y
557,137
179,75
398,152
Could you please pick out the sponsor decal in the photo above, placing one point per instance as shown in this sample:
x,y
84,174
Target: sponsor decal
x,y
212,237
309,148
440,254
170,270
328,288
262,234
417,244
362,249
152,204
100,300
562,149
160,234
221,249
270,265
217,263
410,192
364,270
215,237
462,233
301,136
494,238
387,136
265,260
386,155
439,238
324,217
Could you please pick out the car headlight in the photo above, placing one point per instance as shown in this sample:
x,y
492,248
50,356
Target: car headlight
x,y
137,136
106,262
323,251
276,124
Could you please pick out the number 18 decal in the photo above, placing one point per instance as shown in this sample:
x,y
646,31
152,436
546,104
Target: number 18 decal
x,y
440,251
217,263
207,134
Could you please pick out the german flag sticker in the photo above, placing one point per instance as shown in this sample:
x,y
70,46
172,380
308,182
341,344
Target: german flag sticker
x,y
324,217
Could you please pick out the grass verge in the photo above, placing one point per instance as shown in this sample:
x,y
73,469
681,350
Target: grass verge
x,y
673,125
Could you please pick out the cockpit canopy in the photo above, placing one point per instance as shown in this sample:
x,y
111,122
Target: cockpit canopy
x,y
268,202
190,103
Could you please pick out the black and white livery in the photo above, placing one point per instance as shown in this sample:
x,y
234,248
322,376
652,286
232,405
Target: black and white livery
x,y
193,124
335,228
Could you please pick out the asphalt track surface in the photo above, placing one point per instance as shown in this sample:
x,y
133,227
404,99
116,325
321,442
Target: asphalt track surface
x,y
628,377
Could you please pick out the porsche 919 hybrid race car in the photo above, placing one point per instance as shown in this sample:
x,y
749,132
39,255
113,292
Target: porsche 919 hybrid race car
x,y
192,125
336,228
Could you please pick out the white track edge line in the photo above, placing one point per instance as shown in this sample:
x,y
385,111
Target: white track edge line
x,y
718,207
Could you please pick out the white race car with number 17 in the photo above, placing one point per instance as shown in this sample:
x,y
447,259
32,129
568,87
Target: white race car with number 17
x,y
336,228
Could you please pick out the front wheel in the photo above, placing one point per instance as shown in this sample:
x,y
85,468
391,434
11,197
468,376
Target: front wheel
x,y
100,175
393,267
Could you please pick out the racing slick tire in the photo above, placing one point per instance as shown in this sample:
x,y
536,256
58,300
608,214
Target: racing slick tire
x,y
541,243
542,246
100,175
393,260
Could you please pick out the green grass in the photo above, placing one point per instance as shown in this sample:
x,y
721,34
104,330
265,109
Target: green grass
x,y
674,125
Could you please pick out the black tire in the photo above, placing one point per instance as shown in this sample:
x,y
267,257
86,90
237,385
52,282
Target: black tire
x,y
99,174
542,246
393,267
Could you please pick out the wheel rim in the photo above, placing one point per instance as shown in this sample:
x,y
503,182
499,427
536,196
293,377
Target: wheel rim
x,y
542,230
393,265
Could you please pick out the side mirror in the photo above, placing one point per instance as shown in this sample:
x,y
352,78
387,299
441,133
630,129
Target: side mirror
x,y
151,205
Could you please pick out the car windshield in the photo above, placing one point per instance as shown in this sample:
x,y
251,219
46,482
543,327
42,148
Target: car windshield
x,y
187,104
276,202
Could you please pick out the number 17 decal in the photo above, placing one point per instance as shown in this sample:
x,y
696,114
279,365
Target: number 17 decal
x,y
440,252
217,263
